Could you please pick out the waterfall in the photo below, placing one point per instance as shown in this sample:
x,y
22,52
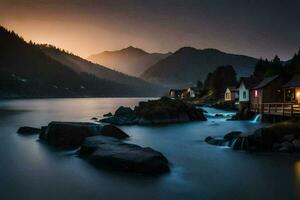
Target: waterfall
x,y
257,118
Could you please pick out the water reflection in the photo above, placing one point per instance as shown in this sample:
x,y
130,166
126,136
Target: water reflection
x,y
31,170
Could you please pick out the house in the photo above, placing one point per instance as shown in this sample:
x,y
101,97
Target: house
x,y
231,94
244,86
175,93
292,90
267,93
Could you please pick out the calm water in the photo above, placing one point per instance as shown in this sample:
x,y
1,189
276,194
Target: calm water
x,y
31,170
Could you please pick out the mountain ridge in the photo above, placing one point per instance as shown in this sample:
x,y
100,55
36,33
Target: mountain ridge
x,y
27,71
131,60
188,65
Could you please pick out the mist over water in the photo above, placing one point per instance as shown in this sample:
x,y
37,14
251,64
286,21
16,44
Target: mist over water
x,y
32,170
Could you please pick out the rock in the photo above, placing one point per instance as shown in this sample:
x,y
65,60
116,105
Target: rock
x,y
162,111
94,118
26,130
112,154
287,147
42,135
219,115
232,135
216,141
70,134
296,144
245,114
289,137
108,114
123,111
241,143
113,131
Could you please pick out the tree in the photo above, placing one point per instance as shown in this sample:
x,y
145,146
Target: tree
x,y
220,79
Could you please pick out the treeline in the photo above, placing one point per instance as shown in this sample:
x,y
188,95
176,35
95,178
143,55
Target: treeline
x,y
225,76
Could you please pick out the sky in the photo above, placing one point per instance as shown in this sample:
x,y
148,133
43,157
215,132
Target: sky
x,y
258,28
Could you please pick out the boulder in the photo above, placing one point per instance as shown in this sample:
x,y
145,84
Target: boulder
x,y
113,154
162,111
123,111
219,115
69,134
232,135
245,114
113,131
72,134
215,141
286,147
94,118
42,135
26,130
108,114
241,143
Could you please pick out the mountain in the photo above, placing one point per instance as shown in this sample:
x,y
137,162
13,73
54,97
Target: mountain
x,y
131,60
187,65
26,70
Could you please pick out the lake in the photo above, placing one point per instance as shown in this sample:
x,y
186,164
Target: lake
x,y
31,170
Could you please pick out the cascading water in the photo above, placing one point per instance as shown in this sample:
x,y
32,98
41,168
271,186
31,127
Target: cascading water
x,y
257,118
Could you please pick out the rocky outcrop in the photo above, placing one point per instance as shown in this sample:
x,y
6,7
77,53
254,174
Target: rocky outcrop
x,y
245,114
113,154
26,130
72,134
281,137
162,111
113,131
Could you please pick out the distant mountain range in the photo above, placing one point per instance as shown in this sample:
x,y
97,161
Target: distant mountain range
x,y
131,60
188,65
30,70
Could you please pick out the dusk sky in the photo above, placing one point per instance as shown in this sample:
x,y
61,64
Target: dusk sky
x,y
259,28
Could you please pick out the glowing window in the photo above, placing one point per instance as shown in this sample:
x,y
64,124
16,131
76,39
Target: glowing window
x,y
255,93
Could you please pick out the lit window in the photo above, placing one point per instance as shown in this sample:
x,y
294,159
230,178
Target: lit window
x,y
255,93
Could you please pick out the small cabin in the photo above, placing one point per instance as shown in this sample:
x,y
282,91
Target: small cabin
x,y
175,93
231,94
190,92
268,94
244,87
268,90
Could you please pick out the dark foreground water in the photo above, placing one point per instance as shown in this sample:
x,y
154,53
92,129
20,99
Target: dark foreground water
x,y
31,170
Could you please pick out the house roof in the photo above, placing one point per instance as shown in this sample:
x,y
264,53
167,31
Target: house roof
x,y
249,82
232,89
294,82
265,82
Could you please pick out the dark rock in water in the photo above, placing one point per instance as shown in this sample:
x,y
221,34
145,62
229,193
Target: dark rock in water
x,y
94,118
245,114
108,114
162,111
42,135
287,147
282,137
215,141
113,131
70,134
123,111
232,135
219,115
241,143
26,130
112,154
